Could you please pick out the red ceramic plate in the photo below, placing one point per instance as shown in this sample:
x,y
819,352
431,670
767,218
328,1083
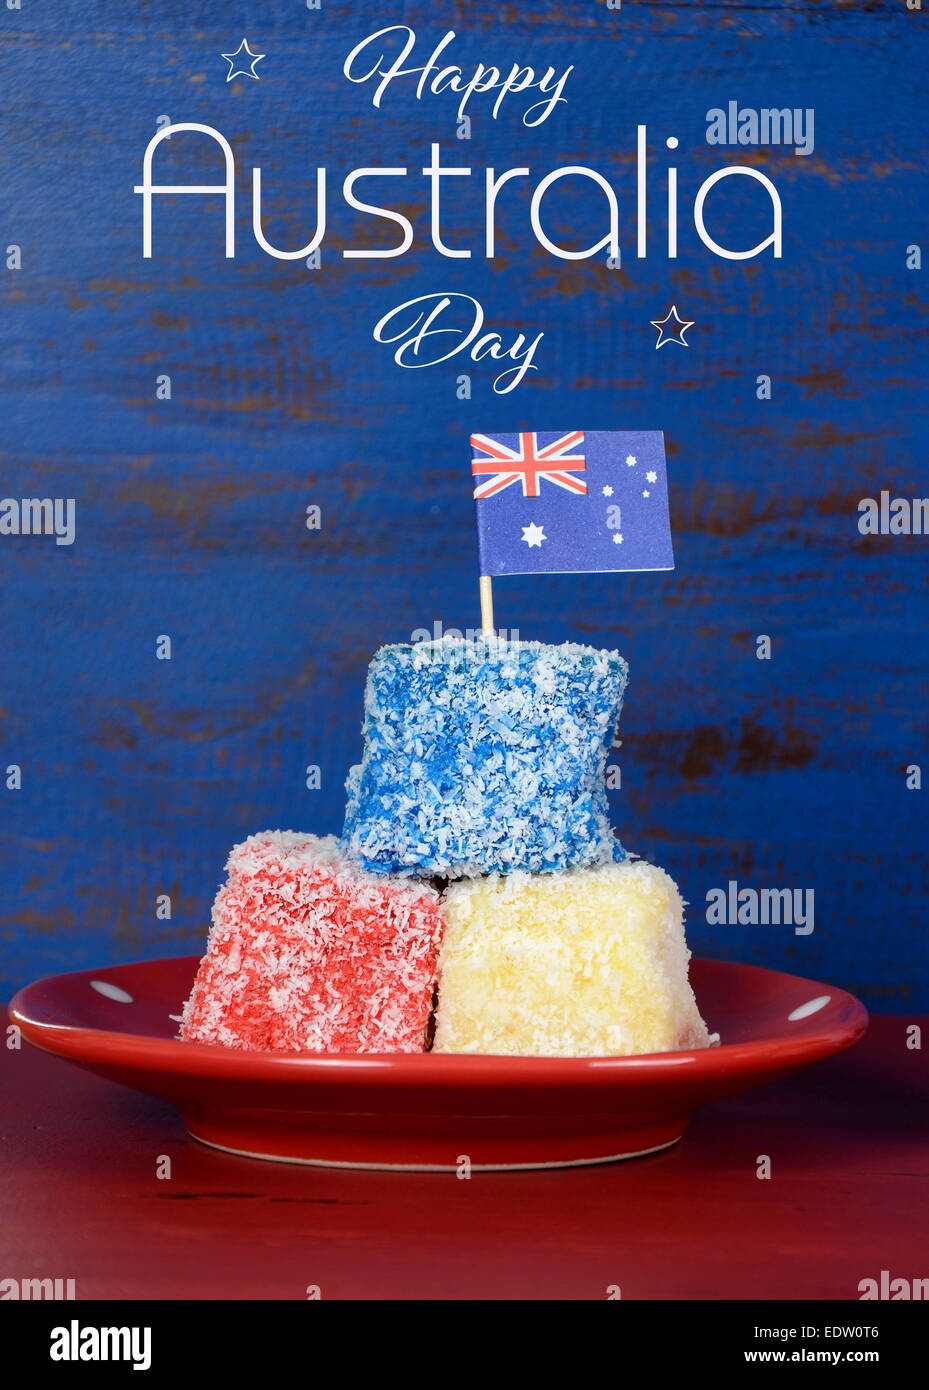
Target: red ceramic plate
x,y
430,1112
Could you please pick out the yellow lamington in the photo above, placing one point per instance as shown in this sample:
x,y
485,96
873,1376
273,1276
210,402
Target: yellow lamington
x,y
586,963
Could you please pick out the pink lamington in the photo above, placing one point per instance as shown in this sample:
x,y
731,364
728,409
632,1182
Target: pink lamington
x,y
308,953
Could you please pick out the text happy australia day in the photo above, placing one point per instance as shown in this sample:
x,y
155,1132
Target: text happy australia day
x,y
436,327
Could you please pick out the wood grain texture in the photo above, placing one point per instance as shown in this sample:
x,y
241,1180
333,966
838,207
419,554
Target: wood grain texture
x,y
138,775
846,1138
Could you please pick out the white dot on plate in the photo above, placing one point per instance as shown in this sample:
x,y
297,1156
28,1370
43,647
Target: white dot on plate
x,y
111,991
812,1007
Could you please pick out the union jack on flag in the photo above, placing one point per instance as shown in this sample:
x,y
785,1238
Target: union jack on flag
x,y
528,464
582,502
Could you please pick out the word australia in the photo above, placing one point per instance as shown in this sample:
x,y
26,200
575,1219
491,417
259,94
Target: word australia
x,y
395,235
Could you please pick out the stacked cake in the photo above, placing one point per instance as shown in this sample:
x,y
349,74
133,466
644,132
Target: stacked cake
x,y
309,953
484,757
477,861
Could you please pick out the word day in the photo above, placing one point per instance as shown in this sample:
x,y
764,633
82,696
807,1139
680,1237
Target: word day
x,y
455,321
437,176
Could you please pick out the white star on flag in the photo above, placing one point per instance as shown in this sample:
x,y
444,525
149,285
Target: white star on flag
x,y
631,460
617,539
534,535
608,491
645,492
247,71
651,476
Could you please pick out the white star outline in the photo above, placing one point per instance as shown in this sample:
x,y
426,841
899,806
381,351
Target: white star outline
x,y
676,334
235,71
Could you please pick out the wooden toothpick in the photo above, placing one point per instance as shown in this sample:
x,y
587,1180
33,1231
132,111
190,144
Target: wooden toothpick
x,y
487,606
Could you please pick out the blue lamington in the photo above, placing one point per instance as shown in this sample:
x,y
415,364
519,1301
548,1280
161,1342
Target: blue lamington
x,y
485,756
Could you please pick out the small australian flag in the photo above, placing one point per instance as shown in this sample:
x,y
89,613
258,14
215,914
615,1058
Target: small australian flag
x,y
571,503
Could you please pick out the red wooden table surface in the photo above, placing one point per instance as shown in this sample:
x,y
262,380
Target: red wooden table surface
x,y
847,1198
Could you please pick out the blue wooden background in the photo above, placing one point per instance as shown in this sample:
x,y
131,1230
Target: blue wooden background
x,y
139,774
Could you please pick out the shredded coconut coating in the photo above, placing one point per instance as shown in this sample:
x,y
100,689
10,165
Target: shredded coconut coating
x,y
309,953
485,756
589,963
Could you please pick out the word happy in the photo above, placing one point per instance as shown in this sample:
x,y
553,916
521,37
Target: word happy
x,y
451,78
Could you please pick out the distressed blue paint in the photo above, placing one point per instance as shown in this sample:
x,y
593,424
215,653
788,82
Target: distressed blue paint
x,y
139,774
